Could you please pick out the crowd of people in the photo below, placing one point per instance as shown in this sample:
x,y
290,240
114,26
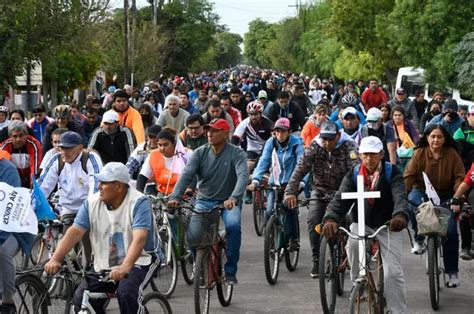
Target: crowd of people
x,y
217,134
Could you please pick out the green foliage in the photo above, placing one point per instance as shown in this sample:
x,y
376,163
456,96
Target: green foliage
x,y
255,41
464,64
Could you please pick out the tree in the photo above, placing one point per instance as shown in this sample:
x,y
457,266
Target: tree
x,y
256,40
464,63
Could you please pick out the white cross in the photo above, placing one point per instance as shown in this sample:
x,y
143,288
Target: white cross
x,y
360,196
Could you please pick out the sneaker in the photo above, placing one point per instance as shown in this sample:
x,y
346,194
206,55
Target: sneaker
x,y
315,270
231,280
8,308
453,281
465,255
417,248
294,245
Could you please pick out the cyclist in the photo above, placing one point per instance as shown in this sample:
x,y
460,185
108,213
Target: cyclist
x,y
120,224
193,135
328,158
282,151
392,205
313,126
164,166
216,163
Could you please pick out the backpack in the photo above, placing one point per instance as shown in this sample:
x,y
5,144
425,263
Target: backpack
x,y
365,130
84,159
387,172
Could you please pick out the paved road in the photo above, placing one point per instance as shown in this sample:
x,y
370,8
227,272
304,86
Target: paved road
x,y
297,293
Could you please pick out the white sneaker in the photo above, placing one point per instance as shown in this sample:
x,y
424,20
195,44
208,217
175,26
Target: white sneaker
x,y
417,248
453,281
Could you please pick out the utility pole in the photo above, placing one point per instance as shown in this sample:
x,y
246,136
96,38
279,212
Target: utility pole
x,y
155,12
133,26
126,44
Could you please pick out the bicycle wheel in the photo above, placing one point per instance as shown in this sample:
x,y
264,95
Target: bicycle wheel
x,y
375,275
201,282
167,273
341,264
187,267
30,296
362,299
60,291
224,291
271,255
327,275
433,271
291,259
258,208
155,302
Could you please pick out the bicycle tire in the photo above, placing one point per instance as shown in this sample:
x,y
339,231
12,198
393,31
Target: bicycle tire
x,y
35,288
340,255
291,257
224,291
201,284
60,291
187,267
166,276
271,255
155,302
327,276
258,209
433,271
361,300
378,275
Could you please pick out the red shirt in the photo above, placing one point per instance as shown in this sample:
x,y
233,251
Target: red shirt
x,y
467,178
373,99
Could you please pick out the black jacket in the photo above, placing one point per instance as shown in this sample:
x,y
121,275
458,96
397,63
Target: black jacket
x,y
293,112
71,126
113,147
392,201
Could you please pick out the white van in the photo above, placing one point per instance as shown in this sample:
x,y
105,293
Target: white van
x,y
413,80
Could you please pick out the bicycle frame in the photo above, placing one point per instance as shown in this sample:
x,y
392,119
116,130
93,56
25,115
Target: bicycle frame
x,y
86,307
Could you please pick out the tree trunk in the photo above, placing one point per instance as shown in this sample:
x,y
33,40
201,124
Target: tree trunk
x,y
126,44
54,94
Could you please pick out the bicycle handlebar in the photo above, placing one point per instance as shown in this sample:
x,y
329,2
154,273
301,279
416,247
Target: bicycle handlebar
x,y
357,237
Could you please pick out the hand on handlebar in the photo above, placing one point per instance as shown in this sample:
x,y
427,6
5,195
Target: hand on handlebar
x,y
52,267
120,272
330,228
251,187
230,203
291,201
398,223
172,204
456,204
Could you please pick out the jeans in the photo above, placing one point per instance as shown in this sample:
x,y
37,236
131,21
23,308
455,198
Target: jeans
x,y
233,237
7,268
391,247
129,290
290,218
451,243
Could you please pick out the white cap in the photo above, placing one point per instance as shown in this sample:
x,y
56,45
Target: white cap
x,y
374,115
349,110
113,171
110,117
370,144
262,94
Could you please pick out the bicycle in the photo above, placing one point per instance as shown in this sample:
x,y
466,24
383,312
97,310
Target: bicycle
x,y
173,245
211,257
153,302
332,268
30,296
259,203
276,241
367,295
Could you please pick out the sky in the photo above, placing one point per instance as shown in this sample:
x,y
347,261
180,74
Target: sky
x,y
237,14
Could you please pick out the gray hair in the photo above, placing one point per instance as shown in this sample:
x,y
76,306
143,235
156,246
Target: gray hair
x,y
171,98
16,126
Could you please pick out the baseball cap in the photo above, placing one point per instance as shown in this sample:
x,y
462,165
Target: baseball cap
x,y
374,115
110,117
70,139
329,130
113,171
39,109
348,111
400,91
219,124
370,144
112,89
262,94
282,123
451,104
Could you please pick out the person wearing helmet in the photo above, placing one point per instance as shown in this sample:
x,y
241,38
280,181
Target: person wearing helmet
x,y
4,122
348,100
62,119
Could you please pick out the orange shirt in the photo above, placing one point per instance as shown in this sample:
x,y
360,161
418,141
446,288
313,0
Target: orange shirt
x,y
132,119
309,132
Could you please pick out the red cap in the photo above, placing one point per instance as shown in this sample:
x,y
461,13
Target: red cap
x,y
219,124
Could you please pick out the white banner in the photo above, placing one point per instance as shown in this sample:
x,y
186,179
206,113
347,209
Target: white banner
x,y
430,190
276,168
16,212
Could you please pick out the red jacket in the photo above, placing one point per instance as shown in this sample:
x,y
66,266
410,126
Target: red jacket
x,y
235,115
26,159
373,99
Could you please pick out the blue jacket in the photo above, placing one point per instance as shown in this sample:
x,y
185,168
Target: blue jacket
x,y
287,156
335,117
450,127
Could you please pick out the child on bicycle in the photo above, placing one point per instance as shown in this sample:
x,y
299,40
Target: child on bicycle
x,y
391,206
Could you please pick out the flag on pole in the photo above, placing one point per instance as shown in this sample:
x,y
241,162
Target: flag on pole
x,y
276,171
430,190
40,204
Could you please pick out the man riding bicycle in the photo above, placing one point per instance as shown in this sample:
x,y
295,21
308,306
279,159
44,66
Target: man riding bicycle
x,y
328,158
221,172
391,206
288,149
121,228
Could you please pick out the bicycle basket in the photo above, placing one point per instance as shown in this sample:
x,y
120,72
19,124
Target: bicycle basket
x,y
432,219
202,228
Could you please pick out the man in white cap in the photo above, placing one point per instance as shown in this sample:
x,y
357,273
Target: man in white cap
x,y
375,127
121,227
392,206
112,141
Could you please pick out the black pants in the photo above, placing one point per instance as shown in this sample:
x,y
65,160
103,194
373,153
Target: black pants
x,y
317,209
465,225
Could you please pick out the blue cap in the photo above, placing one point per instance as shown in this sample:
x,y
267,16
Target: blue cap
x,y
70,139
